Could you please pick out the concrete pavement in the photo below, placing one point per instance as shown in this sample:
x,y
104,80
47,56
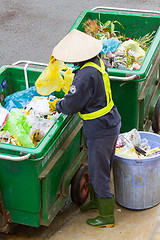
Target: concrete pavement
x,y
29,30
129,225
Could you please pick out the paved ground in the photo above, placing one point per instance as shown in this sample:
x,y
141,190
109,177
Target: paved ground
x,y
130,225
29,30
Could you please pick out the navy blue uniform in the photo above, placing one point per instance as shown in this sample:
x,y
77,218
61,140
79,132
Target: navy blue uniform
x,y
87,94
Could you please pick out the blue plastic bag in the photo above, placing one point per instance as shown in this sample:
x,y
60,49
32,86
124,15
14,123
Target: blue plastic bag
x,y
110,45
21,99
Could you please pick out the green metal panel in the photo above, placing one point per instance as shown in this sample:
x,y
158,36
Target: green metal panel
x,y
25,217
125,95
20,188
52,182
10,175
49,213
54,177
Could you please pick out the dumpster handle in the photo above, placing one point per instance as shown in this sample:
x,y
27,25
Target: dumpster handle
x,y
25,68
126,10
123,78
30,62
44,64
22,158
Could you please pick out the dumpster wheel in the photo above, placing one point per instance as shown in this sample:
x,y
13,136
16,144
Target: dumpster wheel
x,y
79,186
156,117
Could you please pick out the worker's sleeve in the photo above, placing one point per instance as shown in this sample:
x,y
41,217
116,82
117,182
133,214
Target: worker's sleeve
x,y
78,96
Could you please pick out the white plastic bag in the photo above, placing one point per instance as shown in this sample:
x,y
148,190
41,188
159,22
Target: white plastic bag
x,y
144,144
133,47
3,116
133,136
40,106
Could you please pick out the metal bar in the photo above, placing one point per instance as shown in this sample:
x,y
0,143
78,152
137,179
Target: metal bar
x,y
10,158
43,64
126,10
132,77
30,62
25,68
25,74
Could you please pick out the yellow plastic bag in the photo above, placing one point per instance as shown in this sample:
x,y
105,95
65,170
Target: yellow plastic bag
x,y
68,78
50,79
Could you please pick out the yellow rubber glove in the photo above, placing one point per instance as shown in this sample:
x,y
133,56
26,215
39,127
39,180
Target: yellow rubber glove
x,y
52,104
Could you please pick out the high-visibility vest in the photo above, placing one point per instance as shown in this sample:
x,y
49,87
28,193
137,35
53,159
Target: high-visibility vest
x,y
109,104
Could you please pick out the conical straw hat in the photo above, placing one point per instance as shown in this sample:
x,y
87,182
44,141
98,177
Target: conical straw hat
x,y
77,46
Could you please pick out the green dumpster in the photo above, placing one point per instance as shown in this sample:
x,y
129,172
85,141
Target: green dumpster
x,y
34,182
135,93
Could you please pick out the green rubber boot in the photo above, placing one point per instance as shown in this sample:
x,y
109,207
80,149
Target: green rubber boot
x,y
106,213
92,205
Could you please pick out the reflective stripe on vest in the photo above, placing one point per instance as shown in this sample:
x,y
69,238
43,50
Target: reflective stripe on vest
x,y
105,110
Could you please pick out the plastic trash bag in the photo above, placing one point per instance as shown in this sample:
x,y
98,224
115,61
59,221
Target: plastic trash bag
x,y
3,116
3,84
127,151
144,145
39,105
19,127
40,126
110,45
50,79
68,78
133,48
21,99
132,136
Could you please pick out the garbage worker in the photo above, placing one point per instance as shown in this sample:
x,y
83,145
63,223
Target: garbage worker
x,y
90,96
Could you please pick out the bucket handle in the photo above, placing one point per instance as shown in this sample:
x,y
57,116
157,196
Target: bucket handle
x,y
22,158
125,10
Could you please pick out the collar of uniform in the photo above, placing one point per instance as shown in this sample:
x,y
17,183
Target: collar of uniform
x,y
94,60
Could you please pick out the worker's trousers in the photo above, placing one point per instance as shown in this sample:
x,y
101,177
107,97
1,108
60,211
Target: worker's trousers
x,y
100,161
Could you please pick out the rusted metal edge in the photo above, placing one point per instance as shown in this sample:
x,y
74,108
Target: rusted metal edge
x,y
5,215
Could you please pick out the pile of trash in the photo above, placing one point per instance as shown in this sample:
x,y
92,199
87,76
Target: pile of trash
x,y
28,125
118,50
25,118
130,145
126,55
